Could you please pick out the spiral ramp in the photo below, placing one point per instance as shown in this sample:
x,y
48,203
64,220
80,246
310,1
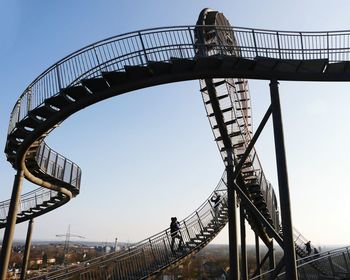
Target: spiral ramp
x,y
210,52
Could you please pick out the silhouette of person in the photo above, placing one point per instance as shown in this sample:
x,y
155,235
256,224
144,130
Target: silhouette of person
x,y
215,199
175,233
308,247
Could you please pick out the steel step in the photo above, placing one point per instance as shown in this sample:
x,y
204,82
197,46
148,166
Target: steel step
x,y
44,111
59,101
95,84
182,64
160,67
138,72
115,78
76,93
204,63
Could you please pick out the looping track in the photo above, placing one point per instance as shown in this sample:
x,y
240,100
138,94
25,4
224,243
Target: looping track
x,y
211,51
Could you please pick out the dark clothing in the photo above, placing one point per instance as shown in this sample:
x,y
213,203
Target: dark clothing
x,y
308,247
174,228
215,200
175,234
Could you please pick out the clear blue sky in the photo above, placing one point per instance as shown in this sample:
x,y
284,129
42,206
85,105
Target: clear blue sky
x,y
150,154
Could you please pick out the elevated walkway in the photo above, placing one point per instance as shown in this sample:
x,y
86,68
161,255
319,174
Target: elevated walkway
x,y
152,57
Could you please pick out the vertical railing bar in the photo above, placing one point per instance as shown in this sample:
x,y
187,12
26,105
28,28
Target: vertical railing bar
x,y
255,45
278,44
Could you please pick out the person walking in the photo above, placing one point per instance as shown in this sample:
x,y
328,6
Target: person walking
x,y
175,233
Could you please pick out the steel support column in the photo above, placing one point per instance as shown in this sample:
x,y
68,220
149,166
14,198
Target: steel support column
x,y
244,272
27,249
232,225
10,224
288,242
272,262
257,254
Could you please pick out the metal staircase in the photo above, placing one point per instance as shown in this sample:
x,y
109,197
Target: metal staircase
x,y
211,51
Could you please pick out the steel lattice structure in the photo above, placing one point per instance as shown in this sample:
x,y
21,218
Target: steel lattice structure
x,y
222,58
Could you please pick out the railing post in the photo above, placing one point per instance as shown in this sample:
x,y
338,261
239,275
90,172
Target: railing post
x,y
331,265
279,46
255,45
302,46
19,111
151,246
346,262
188,233
59,82
71,174
328,46
143,47
199,221
48,161
10,225
29,100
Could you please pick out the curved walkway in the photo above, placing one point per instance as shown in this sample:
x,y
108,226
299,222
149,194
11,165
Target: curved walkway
x,y
157,56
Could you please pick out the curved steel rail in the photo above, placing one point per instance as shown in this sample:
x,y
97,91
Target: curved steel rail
x,y
156,56
335,264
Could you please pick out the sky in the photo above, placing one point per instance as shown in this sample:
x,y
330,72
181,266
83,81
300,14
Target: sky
x,y
149,155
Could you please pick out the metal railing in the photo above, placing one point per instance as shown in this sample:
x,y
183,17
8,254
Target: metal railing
x,y
335,264
154,253
28,201
54,164
160,44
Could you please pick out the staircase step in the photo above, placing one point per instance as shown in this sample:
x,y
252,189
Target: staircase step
x,y
229,109
20,133
138,72
216,84
95,84
77,92
204,63
233,134
115,78
58,101
336,67
182,64
312,66
265,64
44,111
226,123
287,65
229,61
160,67
31,121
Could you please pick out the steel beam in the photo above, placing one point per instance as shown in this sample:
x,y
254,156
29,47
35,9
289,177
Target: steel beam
x,y
257,254
232,225
287,226
244,267
27,249
272,261
10,224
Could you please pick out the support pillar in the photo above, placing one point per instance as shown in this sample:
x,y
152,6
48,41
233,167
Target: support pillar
x,y
272,262
27,249
288,242
257,254
244,272
10,224
232,225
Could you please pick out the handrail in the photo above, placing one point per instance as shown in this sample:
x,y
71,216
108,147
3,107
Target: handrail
x,y
250,44
189,229
326,258
51,163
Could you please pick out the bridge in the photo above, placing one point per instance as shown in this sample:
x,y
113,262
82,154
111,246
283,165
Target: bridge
x,y
222,58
